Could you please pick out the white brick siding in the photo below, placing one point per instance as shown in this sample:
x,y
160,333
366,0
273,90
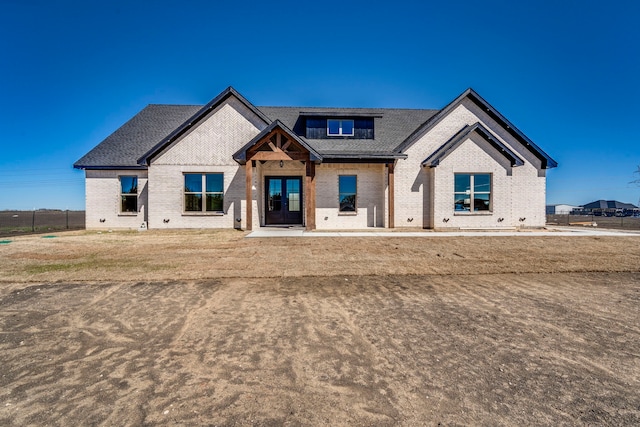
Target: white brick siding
x,y
424,197
371,209
166,197
103,200
472,156
214,141
206,149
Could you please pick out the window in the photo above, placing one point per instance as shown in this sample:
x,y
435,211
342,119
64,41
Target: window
x,y
203,187
472,192
339,127
347,189
128,194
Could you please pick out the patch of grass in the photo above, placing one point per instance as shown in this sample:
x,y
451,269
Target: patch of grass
x,y
93,263
48,268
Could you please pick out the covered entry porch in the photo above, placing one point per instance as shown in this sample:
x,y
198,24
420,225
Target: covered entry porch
x,y
281,182
280,168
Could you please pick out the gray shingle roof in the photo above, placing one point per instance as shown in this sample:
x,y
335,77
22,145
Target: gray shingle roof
x,y
122,148
391,127
609,204
157,126
195,120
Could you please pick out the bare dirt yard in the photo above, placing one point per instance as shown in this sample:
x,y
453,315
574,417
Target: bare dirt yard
x,y
210,328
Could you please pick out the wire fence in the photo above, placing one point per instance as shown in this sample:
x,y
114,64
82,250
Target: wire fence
x,y
39,221
617,222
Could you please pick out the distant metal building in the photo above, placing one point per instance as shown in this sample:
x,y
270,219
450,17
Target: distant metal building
x,y
610,208
561,209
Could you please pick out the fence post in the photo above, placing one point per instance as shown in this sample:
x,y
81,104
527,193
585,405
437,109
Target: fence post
x,y
67,219
33,221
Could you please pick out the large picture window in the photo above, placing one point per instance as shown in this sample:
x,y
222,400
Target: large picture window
x,y
472,192
203,192
339,127
128,194
348,192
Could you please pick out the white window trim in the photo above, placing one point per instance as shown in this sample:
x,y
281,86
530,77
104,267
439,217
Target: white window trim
x,y
340,132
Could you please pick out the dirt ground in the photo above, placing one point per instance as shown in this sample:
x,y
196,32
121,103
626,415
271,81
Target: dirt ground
x,y
209,328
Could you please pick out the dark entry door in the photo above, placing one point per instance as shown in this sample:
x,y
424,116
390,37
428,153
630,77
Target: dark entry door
x,y
283,200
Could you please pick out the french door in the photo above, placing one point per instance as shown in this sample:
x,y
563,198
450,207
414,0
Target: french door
x,y
283,200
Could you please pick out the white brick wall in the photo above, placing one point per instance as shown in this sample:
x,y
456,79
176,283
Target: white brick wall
x,y
213,142
424,197
166,197
472,156
371,209
102,200
206,149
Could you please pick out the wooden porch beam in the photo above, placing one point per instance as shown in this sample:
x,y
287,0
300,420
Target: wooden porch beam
x,y
310,192
249,184
390,174
279,155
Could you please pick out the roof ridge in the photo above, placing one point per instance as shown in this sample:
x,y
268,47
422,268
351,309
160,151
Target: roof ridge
x,y
174,105
295,107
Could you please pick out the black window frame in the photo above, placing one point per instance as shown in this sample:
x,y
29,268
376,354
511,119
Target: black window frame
x,y
343,205
206,198
126,197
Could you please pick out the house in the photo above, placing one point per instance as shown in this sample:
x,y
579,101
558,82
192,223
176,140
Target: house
x,y
609,208
561,209
230,164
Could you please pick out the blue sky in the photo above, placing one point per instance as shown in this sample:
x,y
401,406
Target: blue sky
x,y
564,72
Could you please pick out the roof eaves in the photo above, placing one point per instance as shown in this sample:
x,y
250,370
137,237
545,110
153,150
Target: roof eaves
x,y
195,119
431,122
109,167
448,147
546,161
346,113
364,156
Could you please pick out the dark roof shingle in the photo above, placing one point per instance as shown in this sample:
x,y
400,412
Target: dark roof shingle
x,y
391,126
137,136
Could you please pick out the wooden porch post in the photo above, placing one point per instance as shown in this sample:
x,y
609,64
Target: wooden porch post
x,y
310,192
390,173
249,184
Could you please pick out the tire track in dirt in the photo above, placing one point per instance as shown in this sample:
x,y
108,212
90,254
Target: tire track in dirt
x,y
350,350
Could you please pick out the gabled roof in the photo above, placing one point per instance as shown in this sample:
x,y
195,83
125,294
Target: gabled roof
x,y
157,127
390,126
609,204
240,155
448,147
123,147
195,120
546,161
